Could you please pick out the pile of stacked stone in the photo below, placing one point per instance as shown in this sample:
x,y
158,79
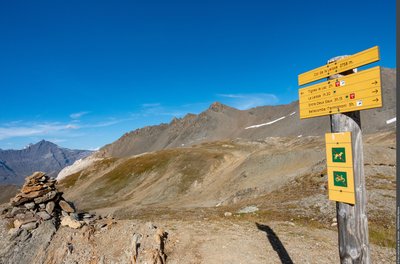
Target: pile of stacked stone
x,y
39,201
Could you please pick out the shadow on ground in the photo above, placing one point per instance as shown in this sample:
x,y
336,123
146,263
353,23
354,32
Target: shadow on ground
x,y
276,243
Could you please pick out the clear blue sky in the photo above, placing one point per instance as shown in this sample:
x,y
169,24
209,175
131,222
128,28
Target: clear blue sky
x,y
82,73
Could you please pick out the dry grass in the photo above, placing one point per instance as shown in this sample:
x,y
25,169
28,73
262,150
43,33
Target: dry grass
x,y
128,172
382,182
179,168
69,181
75,178
382,235
150,170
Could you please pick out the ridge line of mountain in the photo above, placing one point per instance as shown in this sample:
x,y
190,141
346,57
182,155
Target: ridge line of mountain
x,y
44,156
219,122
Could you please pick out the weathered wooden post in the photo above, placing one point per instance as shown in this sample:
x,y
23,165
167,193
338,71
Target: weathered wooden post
x,y
352,219
342,97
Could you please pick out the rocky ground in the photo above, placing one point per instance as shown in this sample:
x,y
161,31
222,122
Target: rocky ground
x,y
227,240
291,221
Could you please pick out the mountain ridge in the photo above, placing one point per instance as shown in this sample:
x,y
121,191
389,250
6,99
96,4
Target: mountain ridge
x,y
220,122
46,156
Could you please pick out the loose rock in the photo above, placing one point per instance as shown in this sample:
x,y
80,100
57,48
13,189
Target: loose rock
x,y
48,196
44,215
29,205
248,209
68,221
227,214
25,220
17,210
50,207
66,206
29,226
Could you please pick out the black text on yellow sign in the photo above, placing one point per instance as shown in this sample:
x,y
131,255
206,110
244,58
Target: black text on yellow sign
x,y
339,157
359,91
359,59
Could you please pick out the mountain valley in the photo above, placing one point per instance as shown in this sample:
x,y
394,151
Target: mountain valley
x,y
223,186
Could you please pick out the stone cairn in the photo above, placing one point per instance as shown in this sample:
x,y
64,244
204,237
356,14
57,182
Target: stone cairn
x,y
39,201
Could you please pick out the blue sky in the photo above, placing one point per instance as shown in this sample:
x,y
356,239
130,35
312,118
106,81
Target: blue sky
x,y
83,73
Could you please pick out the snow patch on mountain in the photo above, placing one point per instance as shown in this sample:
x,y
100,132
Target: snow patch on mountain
x,y
392,120
271,122
77,166
266,124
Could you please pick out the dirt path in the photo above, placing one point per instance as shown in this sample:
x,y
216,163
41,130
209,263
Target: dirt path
x,y
245,242
206,241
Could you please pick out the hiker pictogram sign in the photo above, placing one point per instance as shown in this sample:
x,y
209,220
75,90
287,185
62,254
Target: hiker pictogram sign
x,y
339,158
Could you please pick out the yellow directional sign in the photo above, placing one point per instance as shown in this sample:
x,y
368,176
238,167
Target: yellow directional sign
x,y
339,157
359,59
358,91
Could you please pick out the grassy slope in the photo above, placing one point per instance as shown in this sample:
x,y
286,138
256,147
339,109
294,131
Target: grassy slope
x,y
164,183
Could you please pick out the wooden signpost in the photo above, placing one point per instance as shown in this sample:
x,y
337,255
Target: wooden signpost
x,y
341,97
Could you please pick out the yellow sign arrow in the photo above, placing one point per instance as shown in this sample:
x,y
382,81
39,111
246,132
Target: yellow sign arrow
x,y
354,92
338,105
359,59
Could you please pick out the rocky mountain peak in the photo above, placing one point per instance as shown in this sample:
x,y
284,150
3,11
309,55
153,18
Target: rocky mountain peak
x,y
42,156
175,120
41,144
218,107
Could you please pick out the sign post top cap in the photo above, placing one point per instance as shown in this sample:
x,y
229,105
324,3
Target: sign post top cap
x,y
337,58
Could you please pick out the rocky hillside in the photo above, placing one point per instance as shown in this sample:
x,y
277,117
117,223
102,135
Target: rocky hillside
x,y
216,173
222,201
283,177
44,156
220,122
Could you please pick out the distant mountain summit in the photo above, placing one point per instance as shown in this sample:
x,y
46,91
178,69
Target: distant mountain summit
x,y
44,156
220,122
